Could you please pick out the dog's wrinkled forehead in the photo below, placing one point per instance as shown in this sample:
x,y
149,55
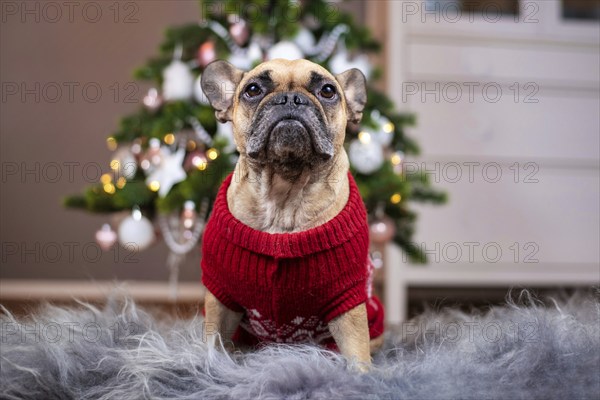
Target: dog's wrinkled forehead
x,y
224,84
288,75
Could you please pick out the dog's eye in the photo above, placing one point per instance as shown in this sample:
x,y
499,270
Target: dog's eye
x,y
252,90
327,91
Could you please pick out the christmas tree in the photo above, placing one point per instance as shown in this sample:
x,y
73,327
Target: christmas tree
x,y
171,156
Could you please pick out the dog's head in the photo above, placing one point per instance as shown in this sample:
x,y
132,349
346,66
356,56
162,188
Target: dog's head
x,y
288,115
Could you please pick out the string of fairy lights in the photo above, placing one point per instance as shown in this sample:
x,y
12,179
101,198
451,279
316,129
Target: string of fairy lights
x,y
165,161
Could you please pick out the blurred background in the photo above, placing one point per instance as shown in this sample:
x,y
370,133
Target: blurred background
x,y
506,95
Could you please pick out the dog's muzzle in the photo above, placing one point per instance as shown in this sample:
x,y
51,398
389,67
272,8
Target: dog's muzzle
x,y
289,127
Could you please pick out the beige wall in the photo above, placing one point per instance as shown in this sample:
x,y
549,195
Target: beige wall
x,y
40,239
41,133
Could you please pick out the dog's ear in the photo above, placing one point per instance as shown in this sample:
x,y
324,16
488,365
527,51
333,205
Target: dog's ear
x,y
354,85
219,81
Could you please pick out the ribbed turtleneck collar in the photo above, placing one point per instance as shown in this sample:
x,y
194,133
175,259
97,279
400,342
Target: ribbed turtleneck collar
x,y
338,230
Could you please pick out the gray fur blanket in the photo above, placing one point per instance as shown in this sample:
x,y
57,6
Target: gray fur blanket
x,y
524,350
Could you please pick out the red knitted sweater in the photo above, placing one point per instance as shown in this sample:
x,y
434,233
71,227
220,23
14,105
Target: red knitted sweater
x,y
290,285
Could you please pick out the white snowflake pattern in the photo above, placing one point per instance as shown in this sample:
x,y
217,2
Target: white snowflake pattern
x,y
298,330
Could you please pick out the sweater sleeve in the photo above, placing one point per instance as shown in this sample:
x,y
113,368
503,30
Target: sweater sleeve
x,y
218,289
354,294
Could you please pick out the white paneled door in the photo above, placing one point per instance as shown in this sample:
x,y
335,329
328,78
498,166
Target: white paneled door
x,y
507,98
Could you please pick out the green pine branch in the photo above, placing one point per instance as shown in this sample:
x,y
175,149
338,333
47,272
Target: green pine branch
x,y
265,18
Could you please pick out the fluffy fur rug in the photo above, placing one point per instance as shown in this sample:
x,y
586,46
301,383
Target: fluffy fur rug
x,y
524,350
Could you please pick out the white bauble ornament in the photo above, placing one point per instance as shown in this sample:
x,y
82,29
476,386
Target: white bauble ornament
x,y
136,230
365,156
244,60
178,81
254,53
124,163
240,61
199,95
384,137
106,237
286,50
385,134
341,62
305,40
363,64
226,131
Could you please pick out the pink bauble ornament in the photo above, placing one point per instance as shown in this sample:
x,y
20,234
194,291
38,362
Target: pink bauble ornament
x,y
239,31
106,237
206,54
382,230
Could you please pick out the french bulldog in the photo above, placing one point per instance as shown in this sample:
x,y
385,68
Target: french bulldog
x,y
289,121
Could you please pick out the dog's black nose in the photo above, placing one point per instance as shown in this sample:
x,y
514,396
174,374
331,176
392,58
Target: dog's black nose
x,y
291,98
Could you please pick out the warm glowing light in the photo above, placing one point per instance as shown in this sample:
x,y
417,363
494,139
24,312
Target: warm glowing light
x,y
115,165
212,154
154,186
109,188
396,159
169,138
121,182
105,179
111,143
364,137
191,145
395,199
388,127
199,162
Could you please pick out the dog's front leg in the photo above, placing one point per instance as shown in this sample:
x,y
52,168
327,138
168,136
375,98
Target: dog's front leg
x,y
219,320
351,334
